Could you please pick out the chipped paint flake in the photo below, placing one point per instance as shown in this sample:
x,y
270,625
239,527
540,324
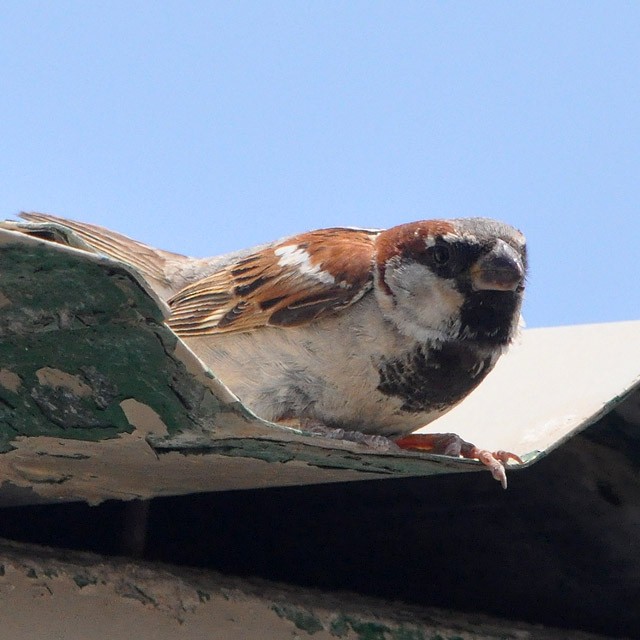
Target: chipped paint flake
x,y
56,378
34,471
9,380
143,417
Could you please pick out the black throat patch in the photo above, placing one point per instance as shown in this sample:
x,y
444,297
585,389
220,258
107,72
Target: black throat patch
x,y
488,316
432,378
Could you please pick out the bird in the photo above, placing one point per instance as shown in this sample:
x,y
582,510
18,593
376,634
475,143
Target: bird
x,y
344,330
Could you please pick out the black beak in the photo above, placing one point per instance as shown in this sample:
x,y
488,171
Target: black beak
x,y
499,270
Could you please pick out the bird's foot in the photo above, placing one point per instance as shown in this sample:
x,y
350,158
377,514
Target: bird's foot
x,y
450,444
377,442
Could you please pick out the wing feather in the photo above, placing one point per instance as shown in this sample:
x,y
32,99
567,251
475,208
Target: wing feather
x,y
289,283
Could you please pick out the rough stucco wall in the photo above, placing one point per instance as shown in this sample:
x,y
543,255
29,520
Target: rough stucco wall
x,y
72,596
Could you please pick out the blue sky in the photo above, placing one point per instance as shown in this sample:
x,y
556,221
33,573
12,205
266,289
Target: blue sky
x,y
203,127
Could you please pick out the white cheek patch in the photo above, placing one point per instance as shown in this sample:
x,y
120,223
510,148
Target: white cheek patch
x,y
436,299
426,305
292,255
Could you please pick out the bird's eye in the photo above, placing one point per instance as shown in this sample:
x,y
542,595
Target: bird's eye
x,y
441,254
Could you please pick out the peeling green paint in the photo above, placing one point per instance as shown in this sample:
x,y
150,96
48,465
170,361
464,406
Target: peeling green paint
x,y
66,293
339,626
370,630
343,626
271,450
120,350
301,618
135,592
95,322
203,596
84,580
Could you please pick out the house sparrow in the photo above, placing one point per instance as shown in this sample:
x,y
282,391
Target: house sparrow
x,y
371,331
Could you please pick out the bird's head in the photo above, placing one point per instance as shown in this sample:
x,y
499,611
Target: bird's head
x,y
459,279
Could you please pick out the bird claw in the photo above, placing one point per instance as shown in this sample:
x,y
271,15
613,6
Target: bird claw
x,y
448,444
496,462
453,445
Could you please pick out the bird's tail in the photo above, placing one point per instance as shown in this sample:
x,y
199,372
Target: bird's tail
x,y
155,265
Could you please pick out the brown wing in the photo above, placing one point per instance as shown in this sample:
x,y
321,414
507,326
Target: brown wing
x,y
286,284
